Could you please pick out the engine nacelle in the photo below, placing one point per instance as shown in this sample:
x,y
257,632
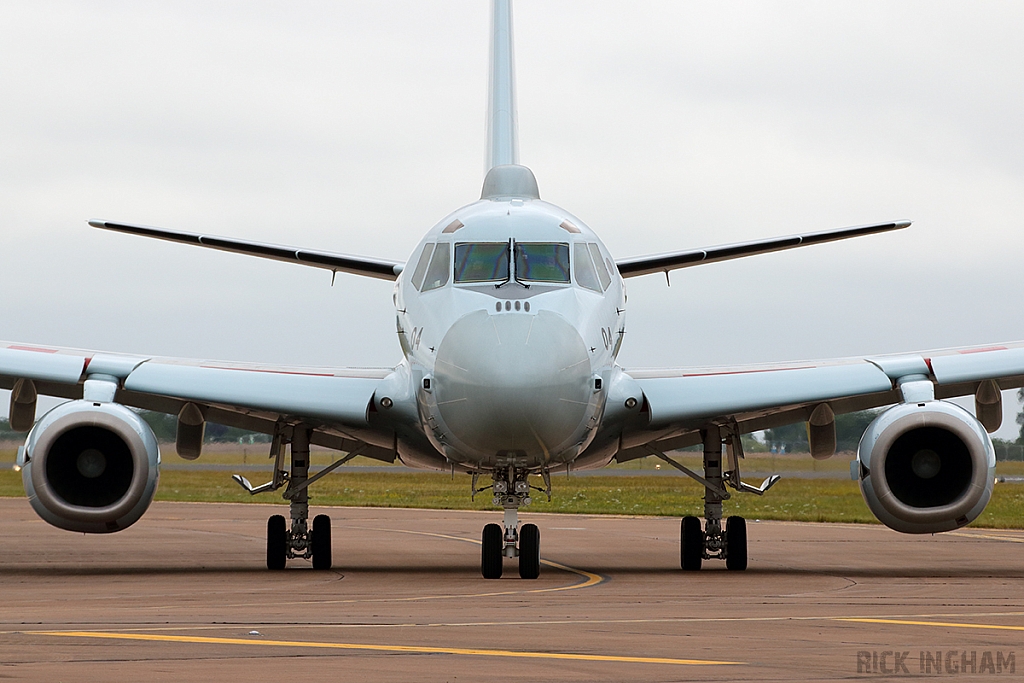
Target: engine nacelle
x,y
91,467
926,468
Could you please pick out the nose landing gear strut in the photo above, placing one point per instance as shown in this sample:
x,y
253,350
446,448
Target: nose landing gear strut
x,y
511,490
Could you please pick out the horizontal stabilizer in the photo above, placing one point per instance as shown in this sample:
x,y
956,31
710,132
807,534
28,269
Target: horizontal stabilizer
x,y
357,265
657,263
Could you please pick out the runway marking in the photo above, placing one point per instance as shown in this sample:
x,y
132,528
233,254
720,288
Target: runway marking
x,y
944,624
590,578
895,620
990,536
416,649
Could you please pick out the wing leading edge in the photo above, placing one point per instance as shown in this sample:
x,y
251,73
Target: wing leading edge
x,y
334,401
657,263
357,265
679,401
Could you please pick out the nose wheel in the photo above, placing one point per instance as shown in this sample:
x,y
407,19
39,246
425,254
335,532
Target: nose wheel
x,y
499,541
492,551
529,552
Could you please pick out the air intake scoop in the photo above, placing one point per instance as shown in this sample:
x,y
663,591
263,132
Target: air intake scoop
x,y
510,182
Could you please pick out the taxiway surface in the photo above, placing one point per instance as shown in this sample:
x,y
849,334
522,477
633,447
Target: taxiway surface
x,y
184,595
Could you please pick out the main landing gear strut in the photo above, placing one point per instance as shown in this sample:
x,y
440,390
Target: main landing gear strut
x,y
300,541
715,542
511,490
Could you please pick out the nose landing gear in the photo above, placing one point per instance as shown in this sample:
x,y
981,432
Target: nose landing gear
x,y
511,490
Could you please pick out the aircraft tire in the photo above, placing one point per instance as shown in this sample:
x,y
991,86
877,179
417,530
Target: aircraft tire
x,y
529,552
277,542
321,542
736,544
493,543
691,544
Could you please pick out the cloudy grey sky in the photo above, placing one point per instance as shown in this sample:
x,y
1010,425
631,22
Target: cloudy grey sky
x,y
354,127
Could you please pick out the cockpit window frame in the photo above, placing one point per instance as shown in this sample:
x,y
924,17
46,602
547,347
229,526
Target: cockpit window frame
x,y
583,268
438,277
497,281
527,281
421,266
602,270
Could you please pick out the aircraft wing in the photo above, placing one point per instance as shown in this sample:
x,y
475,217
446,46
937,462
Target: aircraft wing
x,y
657,263
334,401
681,400
357,265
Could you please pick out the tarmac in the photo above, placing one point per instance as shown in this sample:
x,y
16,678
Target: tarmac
x,y
185,595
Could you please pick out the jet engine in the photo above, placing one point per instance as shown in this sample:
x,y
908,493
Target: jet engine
x,y
90,467
926,467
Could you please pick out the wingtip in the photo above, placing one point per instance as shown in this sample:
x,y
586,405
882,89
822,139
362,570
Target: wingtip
x,y
98,224
903,224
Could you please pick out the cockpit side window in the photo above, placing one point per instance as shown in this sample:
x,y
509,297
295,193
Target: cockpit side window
x,y
586,276
481,262
421,265
542,262
440,266
602,271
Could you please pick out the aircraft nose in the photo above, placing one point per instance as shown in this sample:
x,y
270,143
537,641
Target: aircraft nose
x,y
513,383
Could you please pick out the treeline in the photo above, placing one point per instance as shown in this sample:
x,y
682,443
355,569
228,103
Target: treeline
x,y
789,439
793,438
164,427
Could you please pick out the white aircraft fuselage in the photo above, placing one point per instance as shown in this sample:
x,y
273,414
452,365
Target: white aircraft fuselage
x,y
511,339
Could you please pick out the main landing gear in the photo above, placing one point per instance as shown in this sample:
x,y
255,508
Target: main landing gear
x,y
300,541
511,490
714,542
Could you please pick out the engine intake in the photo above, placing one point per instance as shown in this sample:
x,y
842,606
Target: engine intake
x,y
91,467
926,468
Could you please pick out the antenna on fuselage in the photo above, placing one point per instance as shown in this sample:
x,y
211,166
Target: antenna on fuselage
x,y
505,177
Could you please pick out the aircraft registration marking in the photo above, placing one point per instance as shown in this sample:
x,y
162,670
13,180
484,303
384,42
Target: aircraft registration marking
x,y
415,649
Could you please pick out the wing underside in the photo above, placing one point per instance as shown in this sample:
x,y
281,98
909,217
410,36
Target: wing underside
x,y
680,401
334,402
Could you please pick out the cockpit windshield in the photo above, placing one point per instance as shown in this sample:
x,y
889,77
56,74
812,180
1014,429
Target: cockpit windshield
x,y
481,262
542,262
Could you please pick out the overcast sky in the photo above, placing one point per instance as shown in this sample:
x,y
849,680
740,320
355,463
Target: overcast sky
x,y
353,127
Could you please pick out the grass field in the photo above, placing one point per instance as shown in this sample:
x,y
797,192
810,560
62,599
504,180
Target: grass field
x,y
814,500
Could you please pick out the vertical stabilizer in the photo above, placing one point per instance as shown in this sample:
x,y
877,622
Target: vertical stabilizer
x,y
502,124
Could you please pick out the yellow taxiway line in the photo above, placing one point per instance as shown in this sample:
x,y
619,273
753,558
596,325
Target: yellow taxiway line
x,y
415,649
943,624
1006,537
590,578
